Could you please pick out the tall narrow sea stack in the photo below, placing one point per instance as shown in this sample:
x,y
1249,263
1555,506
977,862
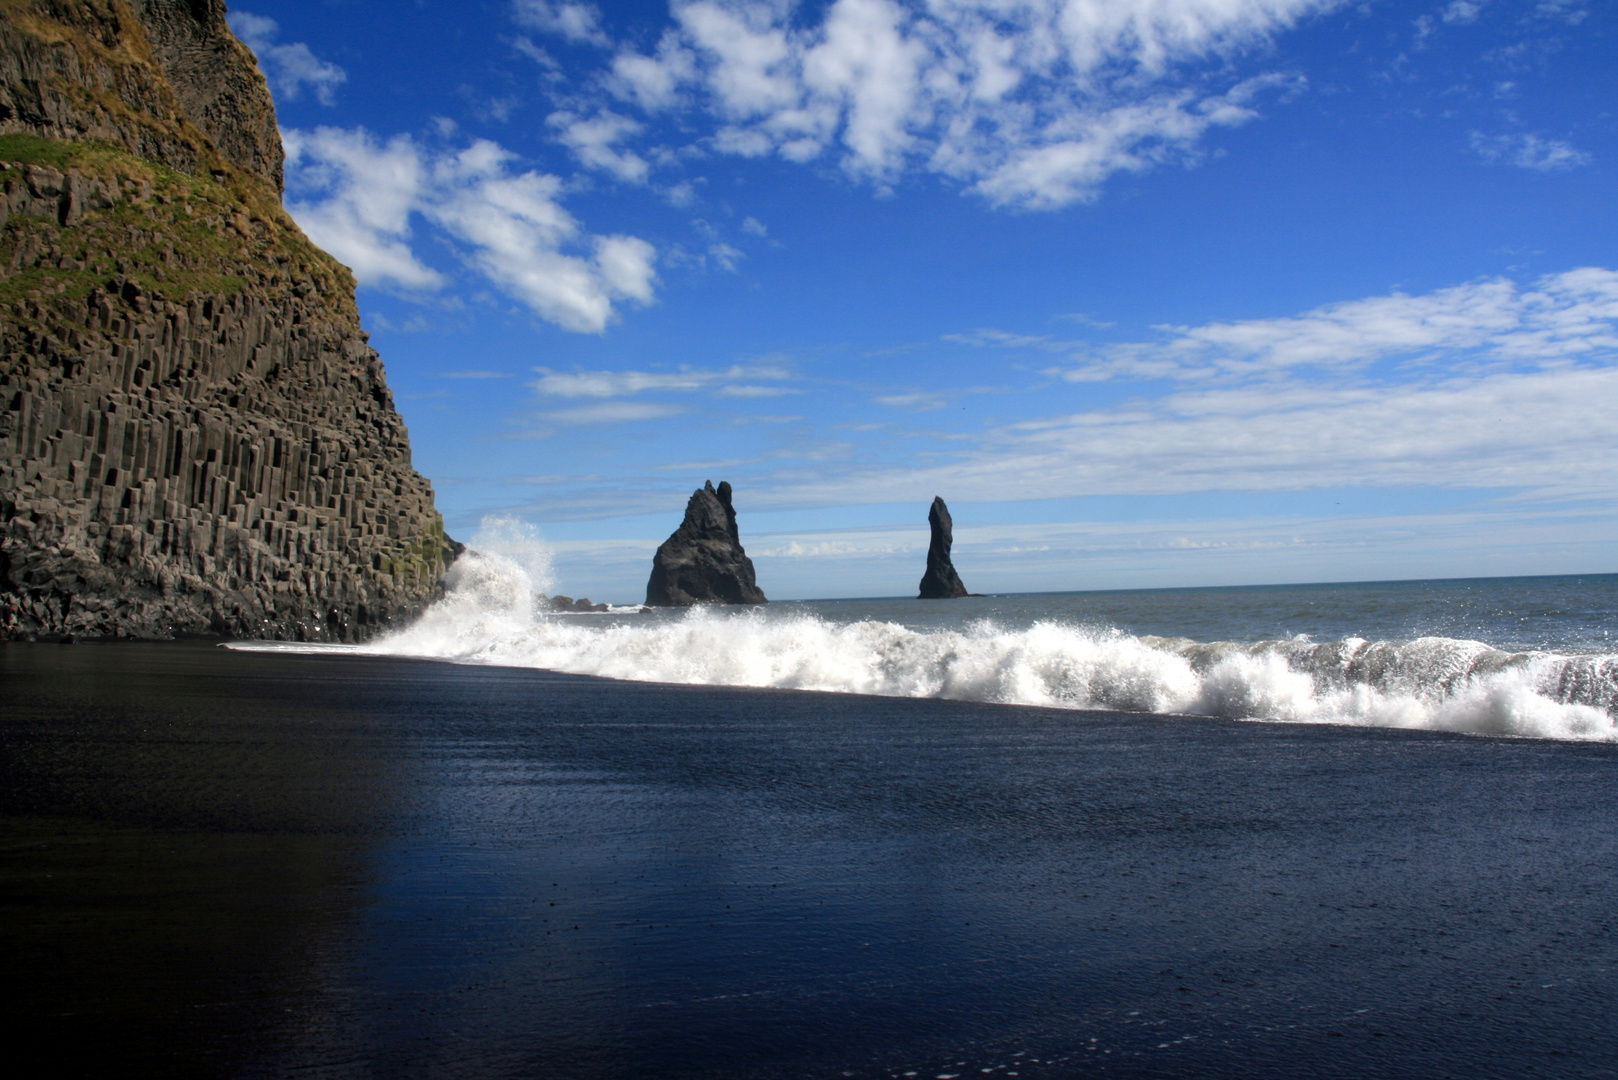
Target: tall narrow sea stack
x,y
194,435
703,562
941,582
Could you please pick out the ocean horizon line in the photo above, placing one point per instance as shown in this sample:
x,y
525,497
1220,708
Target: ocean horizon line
x,y
1216,588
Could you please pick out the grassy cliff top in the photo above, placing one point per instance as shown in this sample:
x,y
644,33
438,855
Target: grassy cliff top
x,y
170,232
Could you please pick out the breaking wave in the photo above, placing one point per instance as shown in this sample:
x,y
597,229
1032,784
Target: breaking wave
x,y
488,617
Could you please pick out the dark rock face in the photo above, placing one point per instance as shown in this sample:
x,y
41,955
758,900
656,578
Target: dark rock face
x,y
163,79
216,81
195,436
941,582
703,562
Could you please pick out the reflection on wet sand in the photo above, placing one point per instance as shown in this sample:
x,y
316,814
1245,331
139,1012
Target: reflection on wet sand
x,y
182,841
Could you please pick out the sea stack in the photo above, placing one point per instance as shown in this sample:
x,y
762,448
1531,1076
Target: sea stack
x,y
941,582
703,562
195,435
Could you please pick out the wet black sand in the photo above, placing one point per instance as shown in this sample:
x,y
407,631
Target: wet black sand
x,y
260,865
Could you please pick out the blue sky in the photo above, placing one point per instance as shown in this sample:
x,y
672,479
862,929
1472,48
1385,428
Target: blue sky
x,y
1152,292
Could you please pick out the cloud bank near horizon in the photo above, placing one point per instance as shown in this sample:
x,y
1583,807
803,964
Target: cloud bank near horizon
x,y
1490,385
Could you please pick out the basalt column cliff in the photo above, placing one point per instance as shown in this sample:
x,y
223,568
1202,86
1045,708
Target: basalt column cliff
x,y
194,435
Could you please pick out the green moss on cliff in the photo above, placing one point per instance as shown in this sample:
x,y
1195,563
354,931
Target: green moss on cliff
x,y
170,232
96,158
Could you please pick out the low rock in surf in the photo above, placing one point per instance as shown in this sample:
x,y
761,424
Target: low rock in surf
x,y
941,582
567,603
703,562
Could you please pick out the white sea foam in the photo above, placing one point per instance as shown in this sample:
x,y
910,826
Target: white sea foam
x,y
488,616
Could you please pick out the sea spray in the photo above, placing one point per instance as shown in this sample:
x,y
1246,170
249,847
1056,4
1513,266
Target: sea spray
x,y
489,592
488,616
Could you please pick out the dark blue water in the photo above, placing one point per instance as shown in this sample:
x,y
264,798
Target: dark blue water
x,y
232,864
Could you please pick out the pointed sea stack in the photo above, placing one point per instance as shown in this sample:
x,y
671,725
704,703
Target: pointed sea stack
x,y
941,582
703,562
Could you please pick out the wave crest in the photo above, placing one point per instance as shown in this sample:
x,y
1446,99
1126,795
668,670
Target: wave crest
x,y
1433,683
488,616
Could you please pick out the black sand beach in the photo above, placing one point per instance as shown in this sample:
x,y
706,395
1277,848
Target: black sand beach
x,y
246,864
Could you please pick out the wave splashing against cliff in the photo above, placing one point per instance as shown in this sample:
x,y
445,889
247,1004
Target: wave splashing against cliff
x,y
488,591
1432,683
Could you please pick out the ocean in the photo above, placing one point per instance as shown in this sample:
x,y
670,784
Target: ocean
x,y
1314,831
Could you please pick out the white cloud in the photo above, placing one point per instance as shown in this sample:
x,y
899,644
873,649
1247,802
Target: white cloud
x,y
626,266
1529,152
1563,317
592,140
358,197
287,68
1030,103
653,82
578,23
355,196
1080,153
612,384
754,227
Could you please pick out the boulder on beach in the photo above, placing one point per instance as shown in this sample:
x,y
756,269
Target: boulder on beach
x,y
703,562
941,582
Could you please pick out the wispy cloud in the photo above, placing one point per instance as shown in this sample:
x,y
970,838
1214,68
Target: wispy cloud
x,y
611,412
1529,152
918,401
612,384
1004,339
1561,317
577,23
751,391
1509,387
1501,431
360,198
289,69
1572,12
